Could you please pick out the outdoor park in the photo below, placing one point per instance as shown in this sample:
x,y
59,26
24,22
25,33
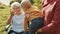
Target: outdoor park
x,y
4,12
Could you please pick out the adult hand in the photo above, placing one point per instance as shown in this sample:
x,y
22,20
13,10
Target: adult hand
x,y
39,30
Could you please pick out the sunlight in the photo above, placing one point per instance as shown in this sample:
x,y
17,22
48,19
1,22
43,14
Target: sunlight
x,y
6,2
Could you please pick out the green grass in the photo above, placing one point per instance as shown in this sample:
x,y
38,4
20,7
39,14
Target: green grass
x,y
4,13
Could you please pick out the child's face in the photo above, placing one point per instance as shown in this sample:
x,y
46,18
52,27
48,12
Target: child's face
x,y
16,9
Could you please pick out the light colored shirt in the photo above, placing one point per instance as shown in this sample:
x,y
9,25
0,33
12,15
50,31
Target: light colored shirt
x,y
18,23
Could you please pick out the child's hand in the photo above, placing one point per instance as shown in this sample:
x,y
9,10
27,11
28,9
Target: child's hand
x,y
12,12
39,30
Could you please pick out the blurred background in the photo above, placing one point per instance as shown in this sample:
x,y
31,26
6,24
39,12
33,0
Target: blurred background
x,y
5,8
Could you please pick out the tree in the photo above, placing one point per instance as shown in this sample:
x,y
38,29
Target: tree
x,y
15,1
38,3
18,1
32,2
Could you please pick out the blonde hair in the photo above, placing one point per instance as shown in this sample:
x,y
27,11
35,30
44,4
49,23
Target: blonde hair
x,y
26,2
15,4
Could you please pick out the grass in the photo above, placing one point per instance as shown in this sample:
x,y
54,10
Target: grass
x,y
4,13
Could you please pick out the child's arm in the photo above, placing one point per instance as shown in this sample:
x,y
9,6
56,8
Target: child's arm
x,y
25,24
10,17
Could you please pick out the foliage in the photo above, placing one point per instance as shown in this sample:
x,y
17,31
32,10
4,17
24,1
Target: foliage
x,y
15,1
38,3
32,2
11,2
4,13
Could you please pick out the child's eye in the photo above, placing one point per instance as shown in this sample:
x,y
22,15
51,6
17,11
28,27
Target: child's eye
x,y
16,8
